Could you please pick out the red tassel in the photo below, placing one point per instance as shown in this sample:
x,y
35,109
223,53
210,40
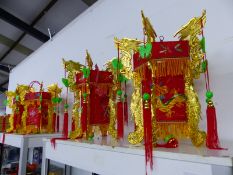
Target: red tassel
x,y
212,140
147,123
120,121
148,136
54,122
57,119
126,113
84,117
65,125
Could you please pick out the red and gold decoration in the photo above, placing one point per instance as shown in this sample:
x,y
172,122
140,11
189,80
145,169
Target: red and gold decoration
x,y
33,111
92,88
164,103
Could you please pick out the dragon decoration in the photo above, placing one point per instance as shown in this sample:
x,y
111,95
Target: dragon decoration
x,y
164,103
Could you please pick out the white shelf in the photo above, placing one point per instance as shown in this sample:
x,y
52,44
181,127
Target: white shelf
x,y
106,159
24,142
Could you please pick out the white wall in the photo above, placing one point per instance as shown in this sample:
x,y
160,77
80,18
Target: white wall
x,y
96,27
2,107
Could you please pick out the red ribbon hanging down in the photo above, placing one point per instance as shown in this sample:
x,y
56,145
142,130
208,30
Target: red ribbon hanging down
x,y
147,122
57,120
126,107
120,121
84,117
54,122
65,125
148,136
212,140
126,112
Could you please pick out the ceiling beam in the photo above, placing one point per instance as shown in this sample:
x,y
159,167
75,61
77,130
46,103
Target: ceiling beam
x,y
42,13
2,89
89,2
4,68
13,20
19,47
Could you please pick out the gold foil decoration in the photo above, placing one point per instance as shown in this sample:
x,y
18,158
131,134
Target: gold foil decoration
x,y
126,47
112,115
148,29
72,68
76,117
193,111
177,101
178,129
54,90
136,108
89,60
190,31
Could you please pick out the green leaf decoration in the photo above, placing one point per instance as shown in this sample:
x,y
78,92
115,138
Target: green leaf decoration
x,y
202,42
122,78
17,98
5,102
204,66
145,51
116,64
86,72
65,82
59,100
54,100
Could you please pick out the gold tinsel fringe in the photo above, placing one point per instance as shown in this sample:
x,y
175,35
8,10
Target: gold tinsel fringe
x,y
179,130
167,67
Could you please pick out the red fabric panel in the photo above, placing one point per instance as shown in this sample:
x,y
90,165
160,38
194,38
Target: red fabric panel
x,y
174,85
36,95
95,77
98,105
164,49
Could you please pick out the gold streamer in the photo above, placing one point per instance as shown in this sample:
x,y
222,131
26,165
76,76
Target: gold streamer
x,y
136,109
